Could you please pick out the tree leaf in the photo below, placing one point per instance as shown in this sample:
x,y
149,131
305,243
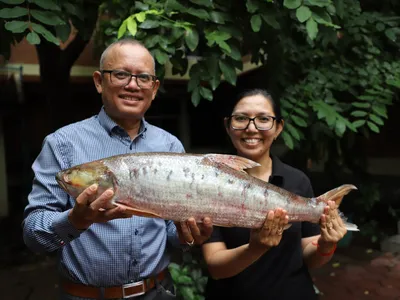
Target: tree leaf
x,y
373,127
255,23
292,4
192,39
200,13
228,71
46,4
393,82
15,12
206,93
160,56
33,38
74,10
293,131
195,97
217,17
322,17
131,25
46,17
300,112
149,24
140,16
376,119
16,26
270,19
319,3
288,140
358,123
45,33
312,28
224,46
252,6
340,127
206,3
15,2
299,121
303,13
63,32
359,113
122,29
380,110
361,104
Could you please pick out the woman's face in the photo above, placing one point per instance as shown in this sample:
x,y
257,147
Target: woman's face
x,y
251,142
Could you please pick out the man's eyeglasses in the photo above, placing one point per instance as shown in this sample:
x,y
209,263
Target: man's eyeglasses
x,y
123,78
239,122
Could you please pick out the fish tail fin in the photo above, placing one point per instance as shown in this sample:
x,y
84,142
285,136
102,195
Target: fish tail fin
x,y
337,195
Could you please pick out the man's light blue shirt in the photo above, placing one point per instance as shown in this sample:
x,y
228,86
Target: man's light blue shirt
x,y
107,254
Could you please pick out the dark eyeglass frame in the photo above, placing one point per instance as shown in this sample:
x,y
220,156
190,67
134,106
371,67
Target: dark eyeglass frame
x,y
153,77
252,120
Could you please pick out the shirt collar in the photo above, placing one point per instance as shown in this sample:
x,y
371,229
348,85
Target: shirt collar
x,y
109,125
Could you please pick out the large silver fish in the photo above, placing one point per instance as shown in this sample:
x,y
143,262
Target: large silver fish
x,y
178,186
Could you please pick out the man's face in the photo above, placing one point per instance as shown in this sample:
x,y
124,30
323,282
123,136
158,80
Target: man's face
x,y
128,102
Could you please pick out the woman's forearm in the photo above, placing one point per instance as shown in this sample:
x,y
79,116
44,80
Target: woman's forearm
x,y
230,262
315,257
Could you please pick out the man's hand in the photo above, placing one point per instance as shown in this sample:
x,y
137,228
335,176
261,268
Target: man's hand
x,y
191,233
88,209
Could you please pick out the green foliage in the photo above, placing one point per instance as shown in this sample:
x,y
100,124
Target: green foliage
x,y
188,277
36,19
331,66
202,30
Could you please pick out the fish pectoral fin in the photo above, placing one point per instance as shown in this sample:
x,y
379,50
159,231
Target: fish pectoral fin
x,y
138,212
232,161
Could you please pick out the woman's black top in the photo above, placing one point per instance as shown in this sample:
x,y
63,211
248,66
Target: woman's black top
x,y
281,272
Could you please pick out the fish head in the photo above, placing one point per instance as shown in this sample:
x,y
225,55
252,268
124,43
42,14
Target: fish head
x,y
76,179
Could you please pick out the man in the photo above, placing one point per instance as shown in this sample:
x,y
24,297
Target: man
x,y
104,253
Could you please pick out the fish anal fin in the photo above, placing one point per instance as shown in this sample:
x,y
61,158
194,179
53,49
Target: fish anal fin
x,y
232,161
336,194
138,212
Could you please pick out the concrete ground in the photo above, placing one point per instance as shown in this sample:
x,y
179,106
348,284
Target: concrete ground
x,y
354,273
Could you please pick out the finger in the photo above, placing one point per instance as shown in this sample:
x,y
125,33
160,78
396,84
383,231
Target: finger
x,y
276,229
185,231
284,220
84,198
116,213
194,229
267,227
206,228
324,228
103,201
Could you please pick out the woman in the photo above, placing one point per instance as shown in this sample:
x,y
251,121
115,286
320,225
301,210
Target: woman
x,y
270,262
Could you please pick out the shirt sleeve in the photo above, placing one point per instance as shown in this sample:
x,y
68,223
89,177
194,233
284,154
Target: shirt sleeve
x,y
308,229
216,235
46,227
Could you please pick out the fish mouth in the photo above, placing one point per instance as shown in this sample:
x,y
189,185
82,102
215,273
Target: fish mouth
x,y
60,181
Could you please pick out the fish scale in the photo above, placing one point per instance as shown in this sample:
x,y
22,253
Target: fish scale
x,y
179,186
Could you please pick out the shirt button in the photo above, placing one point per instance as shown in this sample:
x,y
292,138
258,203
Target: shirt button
x,y
136,232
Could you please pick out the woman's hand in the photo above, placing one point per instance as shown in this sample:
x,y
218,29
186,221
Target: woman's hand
x,y
332,228
270,234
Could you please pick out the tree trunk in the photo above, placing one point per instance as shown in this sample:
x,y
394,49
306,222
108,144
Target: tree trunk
x,y
55,68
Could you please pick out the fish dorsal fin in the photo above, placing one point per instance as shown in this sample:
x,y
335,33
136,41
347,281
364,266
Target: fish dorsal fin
x,y
232,161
